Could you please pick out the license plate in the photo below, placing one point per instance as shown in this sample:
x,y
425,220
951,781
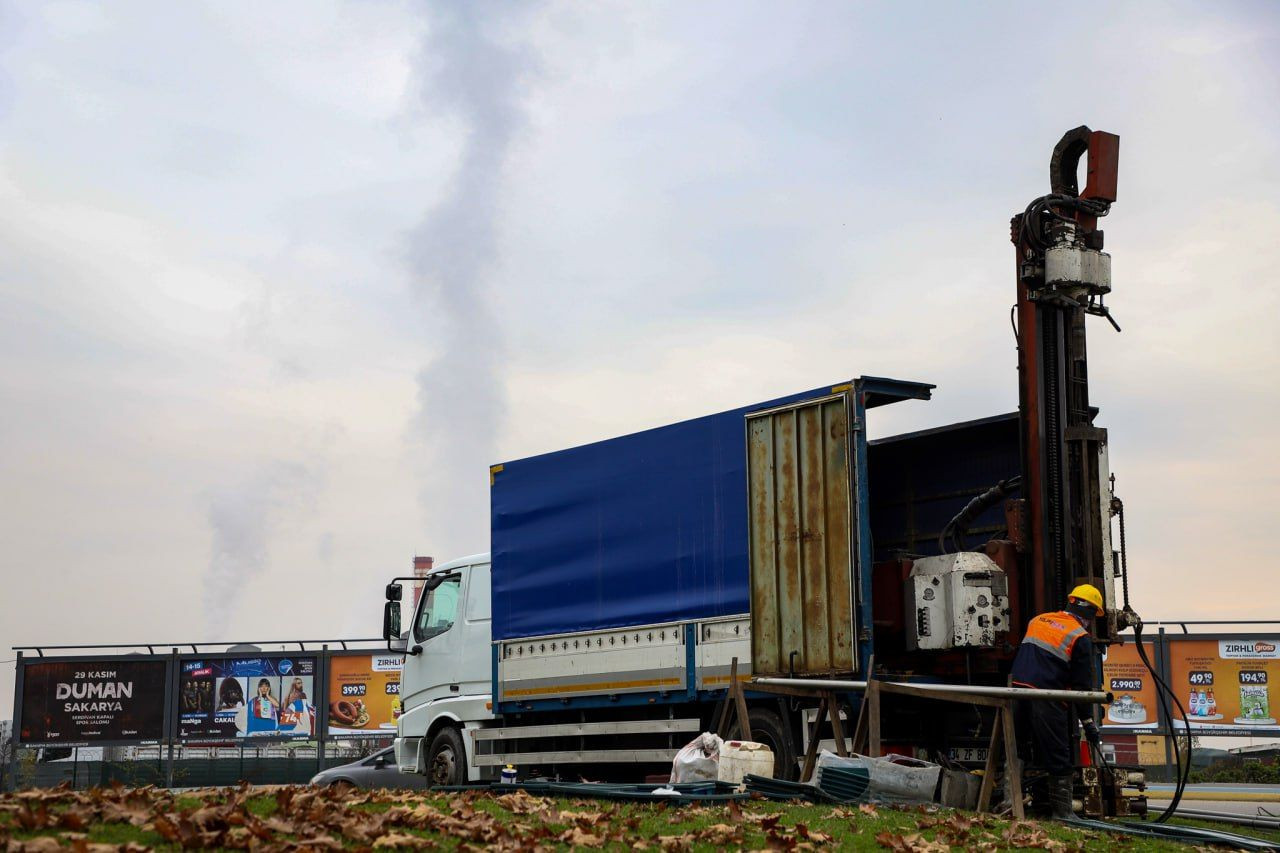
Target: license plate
x,y
968,754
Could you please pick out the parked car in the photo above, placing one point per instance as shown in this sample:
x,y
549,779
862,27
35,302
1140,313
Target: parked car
x,y
376,771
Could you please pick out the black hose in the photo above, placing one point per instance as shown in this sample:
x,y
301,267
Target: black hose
x,y
1163,692
950,538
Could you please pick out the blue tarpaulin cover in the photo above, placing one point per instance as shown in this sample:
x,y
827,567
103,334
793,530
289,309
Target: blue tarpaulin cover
x,y
646,528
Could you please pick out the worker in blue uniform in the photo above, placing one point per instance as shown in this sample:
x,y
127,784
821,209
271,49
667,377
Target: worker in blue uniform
x,y
1057,654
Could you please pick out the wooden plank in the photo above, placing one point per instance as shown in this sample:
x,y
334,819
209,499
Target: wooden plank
x,y
873,718
1011,759
722,726
836,728
989,774
811,754
740,700
859,744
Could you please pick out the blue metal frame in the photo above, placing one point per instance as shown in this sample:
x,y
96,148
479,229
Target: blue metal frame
x,y
862,503
869,392
493,690
690,661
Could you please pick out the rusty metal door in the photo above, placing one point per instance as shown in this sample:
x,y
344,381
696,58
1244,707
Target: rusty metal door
x,y
799,477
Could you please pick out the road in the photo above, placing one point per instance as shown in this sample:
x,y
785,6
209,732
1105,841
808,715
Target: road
x,y
1226,793
1243,800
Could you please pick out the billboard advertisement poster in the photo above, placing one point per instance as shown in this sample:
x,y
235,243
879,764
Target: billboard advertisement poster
x,y
77,702
1226,684
234,698
1123,674
364,694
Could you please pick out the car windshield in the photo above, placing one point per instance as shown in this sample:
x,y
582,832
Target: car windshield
x,y
439,609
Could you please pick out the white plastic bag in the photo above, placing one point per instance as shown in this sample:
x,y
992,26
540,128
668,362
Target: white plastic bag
x,y
893,778
698,761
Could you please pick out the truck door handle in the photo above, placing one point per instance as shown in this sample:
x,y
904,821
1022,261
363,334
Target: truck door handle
x,y
453,688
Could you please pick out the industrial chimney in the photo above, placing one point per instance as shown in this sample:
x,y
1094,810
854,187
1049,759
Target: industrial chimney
x,y
421,568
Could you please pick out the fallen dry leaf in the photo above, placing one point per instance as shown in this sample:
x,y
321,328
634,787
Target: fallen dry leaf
x,y
578,837
913,843
401,839
39,844
721,834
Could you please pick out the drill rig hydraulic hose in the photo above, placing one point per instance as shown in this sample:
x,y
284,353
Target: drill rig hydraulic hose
x,y
950,539
1163,692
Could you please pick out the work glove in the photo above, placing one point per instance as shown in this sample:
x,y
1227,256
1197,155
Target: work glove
x,y
1091,732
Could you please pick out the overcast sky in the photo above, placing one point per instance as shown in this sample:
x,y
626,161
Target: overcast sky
x,y
279,281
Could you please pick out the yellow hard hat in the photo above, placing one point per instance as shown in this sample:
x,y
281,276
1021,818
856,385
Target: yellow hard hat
x,y
1088,592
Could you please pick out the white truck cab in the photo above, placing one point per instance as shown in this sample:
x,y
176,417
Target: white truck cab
x,y
448,671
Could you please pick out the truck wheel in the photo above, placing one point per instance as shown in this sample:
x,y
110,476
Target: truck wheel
x,y
767,728
447,759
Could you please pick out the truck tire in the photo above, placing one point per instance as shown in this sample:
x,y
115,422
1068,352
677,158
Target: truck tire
x,y
767,728
447,758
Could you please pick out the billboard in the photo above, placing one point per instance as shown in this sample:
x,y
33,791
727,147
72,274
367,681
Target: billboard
x,y
250,697
95,700
1224,683
364,694
1136,706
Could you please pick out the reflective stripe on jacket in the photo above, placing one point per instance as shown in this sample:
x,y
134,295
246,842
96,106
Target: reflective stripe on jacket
x,y
1056,633
1055,654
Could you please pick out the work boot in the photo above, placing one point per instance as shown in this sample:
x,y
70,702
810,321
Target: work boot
x,y
1060,797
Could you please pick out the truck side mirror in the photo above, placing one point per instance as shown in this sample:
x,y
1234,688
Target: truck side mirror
x,y
391,621
394,592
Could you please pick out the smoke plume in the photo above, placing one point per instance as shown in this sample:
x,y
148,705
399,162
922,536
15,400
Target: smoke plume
x,y
241,517
461,400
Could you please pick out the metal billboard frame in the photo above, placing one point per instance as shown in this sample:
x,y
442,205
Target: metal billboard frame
x,y
21,664
1163,644
318,685
1169,641
351,736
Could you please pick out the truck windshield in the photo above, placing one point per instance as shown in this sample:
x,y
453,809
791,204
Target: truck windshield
x,y
439,609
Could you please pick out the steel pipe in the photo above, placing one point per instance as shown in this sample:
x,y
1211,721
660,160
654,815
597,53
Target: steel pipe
x,y
1092,697
1256,821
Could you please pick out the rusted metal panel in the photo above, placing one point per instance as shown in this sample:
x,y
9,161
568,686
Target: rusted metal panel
x,y
763,544
839,549
799,476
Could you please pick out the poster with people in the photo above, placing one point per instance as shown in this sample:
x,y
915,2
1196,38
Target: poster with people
x,y
364,694
80,702
232,698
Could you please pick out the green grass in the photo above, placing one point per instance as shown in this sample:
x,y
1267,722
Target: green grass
x,y
484,819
